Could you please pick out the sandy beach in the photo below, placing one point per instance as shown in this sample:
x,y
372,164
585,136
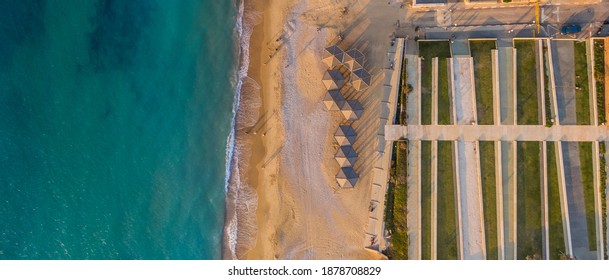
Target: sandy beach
x,y
289,205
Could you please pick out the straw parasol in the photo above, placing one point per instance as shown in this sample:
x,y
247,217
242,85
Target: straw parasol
x,y
334,100
333,80
345,135
360,79
332,56
345,156
353,59
352,110
346,177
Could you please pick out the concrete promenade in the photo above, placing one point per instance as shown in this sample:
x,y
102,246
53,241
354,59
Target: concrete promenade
x,y
569,133
375,231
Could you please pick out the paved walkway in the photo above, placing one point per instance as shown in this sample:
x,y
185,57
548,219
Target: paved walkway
x,y
506,82
374,233
464,90
571,133
564,78
508,177
471,202
575,201
468,187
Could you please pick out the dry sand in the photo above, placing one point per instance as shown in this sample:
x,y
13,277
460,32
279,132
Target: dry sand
x,y
300,213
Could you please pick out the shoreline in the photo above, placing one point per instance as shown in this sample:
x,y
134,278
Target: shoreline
x,y
283,201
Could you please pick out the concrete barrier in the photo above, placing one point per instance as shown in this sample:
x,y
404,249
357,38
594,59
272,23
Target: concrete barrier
x,y
456,179
434,91
495,75
413,102
541,84
419,105
597,201
544,196
499,198
473,83
562,192
434,200
607,81
451,88
415,155
554,107
515,197
515,85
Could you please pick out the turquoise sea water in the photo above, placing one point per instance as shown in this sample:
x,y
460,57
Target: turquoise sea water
x,y
114,118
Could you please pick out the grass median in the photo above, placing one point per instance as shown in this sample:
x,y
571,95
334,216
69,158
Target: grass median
x,y
427,51
526,83
585,161
528,200
447,217
483,79
489,197
599,78
444,108
556,230
426,200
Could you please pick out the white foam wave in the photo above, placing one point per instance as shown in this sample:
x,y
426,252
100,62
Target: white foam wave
x,y
241,200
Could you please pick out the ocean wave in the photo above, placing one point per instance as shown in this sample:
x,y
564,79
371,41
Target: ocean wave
x,y
241,200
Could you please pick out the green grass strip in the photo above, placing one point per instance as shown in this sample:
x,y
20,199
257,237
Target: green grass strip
x,y
529,201
489,197
483,79
447,217
443,96
599,77
426,200
526,74
396,207
556,230
429,50
585,161
582,89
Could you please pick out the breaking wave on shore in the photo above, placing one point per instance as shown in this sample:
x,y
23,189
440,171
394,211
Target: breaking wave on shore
x,y
241,200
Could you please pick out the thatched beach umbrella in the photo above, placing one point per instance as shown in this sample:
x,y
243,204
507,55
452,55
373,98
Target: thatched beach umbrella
x,y
360,79
352,110
353,59
332,56
346,177
346,156
334,100
333,80
345,135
